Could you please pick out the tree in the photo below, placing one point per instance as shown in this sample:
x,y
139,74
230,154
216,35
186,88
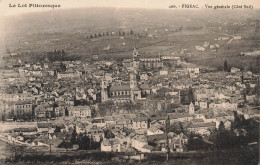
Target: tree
x,y
93,113
62,67
181,127
167,147
252,129
172,108
148,123
103,108
66,112
225,66
167,125
196,142
130,106
190,95
221,126
3,117
57,129
225,139
84,142
239,121
236,120
131,32
108,134
74,135
175,127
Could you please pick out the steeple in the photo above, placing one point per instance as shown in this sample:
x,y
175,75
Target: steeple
x,y
191,109
133,82
135,59
104,91
135,52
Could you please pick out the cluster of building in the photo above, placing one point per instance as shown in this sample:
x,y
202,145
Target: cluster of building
x,y
70,93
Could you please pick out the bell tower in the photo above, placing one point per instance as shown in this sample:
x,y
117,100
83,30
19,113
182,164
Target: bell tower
x,y
133,85
104,91
135,59
135,52
133,82
191,109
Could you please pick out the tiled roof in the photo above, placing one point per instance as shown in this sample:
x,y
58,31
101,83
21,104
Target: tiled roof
x,y
145,87
20,102
120,88
153,129
153,138
176,115
44,125
206,125
197,120
108,118
148,147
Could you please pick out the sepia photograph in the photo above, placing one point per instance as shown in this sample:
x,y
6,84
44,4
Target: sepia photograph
x,y
153,82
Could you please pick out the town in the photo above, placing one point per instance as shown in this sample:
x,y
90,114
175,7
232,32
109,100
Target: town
x,y
135,105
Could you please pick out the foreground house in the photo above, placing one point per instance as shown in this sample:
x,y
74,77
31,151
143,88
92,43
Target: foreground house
x,y
110,145
44,127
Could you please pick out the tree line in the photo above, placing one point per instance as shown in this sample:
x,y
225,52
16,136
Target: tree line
x,y
119,33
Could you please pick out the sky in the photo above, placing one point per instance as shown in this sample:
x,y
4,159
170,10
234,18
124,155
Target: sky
x,y
5,10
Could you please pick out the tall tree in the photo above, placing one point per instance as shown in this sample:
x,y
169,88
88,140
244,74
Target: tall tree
x,y
167,125
237,122
62,67
221,126
190,95
84,142
74,135
93,113
131,32
148,122
225,66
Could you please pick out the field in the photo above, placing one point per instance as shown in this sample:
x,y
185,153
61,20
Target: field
x,y
70,30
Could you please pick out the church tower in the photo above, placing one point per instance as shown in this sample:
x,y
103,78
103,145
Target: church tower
x,y
133,85
135,52
135,59
133,82
191,109
104,92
